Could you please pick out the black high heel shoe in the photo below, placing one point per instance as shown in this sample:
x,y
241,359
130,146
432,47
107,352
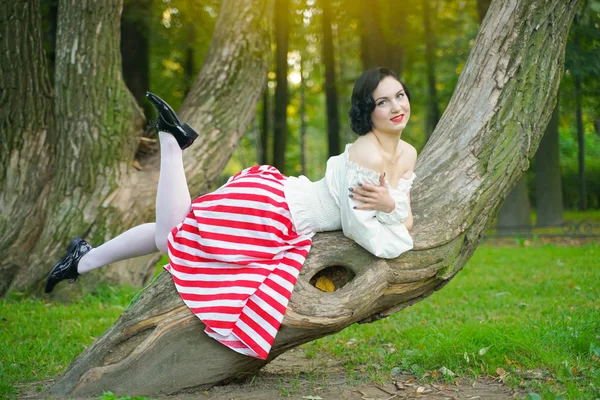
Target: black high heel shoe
x,y
167,121
66,268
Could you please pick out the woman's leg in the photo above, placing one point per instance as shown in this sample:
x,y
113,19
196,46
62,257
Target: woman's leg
x,y
173,201
137,241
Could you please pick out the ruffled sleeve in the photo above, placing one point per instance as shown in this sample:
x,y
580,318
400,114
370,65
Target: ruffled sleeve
x,y
384,239
400,196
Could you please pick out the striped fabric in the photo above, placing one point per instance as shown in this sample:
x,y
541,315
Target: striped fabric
x,y
236,257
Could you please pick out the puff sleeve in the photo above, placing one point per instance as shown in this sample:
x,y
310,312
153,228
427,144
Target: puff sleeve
x,y
400,196
382,234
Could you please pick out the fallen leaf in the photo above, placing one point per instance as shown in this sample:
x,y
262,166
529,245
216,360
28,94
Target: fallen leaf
x,y
420,389
446,371
500,371
312,397
484,350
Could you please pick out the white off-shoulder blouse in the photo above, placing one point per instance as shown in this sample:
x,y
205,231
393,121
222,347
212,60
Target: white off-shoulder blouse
x,y
325,206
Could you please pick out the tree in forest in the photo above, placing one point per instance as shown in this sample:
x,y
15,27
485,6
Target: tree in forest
x,y
135,46
480,148
548,185
280,131
433,112
333,124
381,35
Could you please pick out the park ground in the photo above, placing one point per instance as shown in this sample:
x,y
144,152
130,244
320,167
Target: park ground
x,y
521,320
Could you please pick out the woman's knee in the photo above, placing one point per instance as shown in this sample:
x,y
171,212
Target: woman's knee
x,y
161,242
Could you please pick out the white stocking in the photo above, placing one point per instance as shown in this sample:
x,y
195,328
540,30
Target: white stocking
x,y
137,241
173,201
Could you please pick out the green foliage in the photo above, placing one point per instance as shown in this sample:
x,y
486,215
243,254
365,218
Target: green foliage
x,y
528,316
180,38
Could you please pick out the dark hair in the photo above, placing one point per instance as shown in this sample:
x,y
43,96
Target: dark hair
x,y
363,103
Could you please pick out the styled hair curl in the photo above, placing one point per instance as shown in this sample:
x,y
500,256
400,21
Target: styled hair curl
x,y
363,104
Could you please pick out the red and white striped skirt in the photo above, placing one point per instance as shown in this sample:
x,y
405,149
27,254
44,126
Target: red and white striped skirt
x,y
236,257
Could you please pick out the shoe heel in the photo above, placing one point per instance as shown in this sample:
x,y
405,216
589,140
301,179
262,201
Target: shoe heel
x,y
73,244
192,134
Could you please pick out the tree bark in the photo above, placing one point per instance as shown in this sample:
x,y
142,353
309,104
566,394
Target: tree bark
x,y
26,134
281,90
548,182
480,148
96,193
331,99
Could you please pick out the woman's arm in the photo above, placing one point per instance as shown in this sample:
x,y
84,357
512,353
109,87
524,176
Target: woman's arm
x,y
408,222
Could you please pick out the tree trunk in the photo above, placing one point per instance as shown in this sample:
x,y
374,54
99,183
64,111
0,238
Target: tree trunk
x,y
96,139
135,46
382,37
515,214
281,90
302,120
96,193
480,148
396,24
373,45
580,141
264,128
333,123
433,110
548,184
27,134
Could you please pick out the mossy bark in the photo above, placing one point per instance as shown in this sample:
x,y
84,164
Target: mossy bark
x,y
478,151
26,134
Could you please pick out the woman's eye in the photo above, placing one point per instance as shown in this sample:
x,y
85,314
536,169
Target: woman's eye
x,y
399,95
381,103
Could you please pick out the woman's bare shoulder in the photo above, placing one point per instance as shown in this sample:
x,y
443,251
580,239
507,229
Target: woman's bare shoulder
x,y
409,153
365,153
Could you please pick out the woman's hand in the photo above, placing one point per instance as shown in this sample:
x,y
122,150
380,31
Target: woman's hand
x,y
373,197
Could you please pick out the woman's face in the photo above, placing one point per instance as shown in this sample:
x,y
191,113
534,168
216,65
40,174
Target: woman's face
x,y
392,108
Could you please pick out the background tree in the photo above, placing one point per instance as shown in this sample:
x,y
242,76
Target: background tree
x,y
548,185
333,124
280,131
433,112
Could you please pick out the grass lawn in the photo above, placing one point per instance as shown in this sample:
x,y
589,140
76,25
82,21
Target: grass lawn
x,y
527,315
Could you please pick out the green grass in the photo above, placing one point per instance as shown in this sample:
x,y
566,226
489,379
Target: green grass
x,y
39,339
531,311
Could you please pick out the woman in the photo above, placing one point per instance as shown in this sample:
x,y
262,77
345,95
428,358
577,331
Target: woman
x,y
235,254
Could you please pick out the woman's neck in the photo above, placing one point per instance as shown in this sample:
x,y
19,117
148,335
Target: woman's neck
x,y
388,142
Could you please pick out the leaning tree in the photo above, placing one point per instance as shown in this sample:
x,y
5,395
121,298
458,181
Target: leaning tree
x,y
480,148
